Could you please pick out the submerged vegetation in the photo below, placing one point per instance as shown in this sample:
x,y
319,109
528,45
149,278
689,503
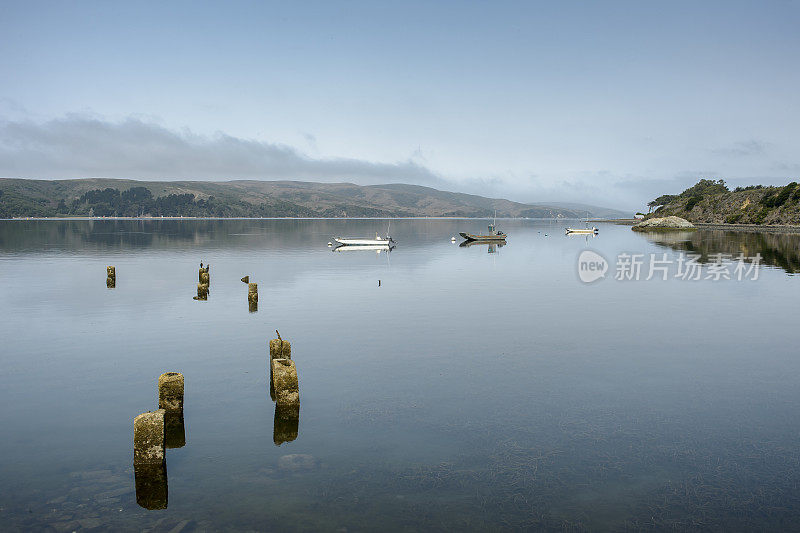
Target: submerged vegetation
x,y
713,202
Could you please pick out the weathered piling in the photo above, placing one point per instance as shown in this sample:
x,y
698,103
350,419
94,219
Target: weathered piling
x,y
148,438
252,292
170,391
174,430
284,382
202,291
151,485
246,279
111,277
280,349
252,306
205,278
286,423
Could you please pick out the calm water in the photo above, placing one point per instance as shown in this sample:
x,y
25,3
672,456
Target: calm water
x,y
469,390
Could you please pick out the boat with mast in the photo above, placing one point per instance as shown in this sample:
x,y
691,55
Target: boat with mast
x,y
494,234
377,241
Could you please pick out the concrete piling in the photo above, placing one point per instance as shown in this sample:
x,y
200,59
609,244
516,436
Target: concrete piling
x,y
148,438
284,382
170,391
202,291
151,485
280,349
252,292
286,423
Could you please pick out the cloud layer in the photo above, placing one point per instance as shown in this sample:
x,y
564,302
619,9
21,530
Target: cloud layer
x,y
79,146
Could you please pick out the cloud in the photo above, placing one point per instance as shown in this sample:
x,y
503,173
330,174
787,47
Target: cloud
x,y
78,146
742,149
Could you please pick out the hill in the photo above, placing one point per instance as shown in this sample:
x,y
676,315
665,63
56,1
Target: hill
x,y
712,202
113,197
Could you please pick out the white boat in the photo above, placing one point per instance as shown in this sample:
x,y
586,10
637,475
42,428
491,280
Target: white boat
x,y
582,231
364,247
379,241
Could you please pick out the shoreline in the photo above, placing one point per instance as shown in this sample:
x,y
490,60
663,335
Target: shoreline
x,y
748,228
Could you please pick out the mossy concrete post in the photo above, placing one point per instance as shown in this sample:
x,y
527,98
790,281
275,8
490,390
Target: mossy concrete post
x,y
286,423
285,383
202,291
252,292
170,391
148,438
280,349
151,485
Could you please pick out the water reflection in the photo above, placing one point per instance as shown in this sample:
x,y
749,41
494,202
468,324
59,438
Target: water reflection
x,y
151,485
174,429
778,250
492,245
287,420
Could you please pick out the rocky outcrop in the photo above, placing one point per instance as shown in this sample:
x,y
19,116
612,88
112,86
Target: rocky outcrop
x,y
666,223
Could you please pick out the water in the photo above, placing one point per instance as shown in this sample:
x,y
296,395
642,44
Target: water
x,y
466,391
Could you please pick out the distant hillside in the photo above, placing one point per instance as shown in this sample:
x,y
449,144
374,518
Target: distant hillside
x,y
711,201
111,197
593,210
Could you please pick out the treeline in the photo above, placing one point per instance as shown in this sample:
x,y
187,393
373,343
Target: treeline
x,y
140,202
713,201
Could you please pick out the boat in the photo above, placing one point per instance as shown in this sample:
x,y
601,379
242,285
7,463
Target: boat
x,y
364,247
377,241
582,231
494,234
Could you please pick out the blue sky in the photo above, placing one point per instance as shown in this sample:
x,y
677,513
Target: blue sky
x,y
601,102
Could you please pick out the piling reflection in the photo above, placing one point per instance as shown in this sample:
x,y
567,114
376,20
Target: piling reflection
x,y
287,421
776,249
174,430
151,485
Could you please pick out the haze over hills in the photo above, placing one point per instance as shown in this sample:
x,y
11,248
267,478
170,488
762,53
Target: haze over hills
x,y
252,198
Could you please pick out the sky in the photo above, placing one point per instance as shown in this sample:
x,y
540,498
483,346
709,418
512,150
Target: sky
x,y
607,103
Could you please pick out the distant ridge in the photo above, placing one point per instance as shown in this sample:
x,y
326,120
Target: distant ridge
x,y
252,198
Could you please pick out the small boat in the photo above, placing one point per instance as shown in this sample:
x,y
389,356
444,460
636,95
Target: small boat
x,y
378,240
364,247
494,234
582,231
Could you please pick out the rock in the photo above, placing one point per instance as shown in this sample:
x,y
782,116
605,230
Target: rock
x,y
296,462
666,223
183,525
90,523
